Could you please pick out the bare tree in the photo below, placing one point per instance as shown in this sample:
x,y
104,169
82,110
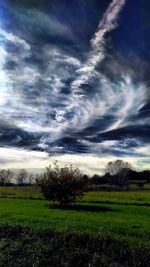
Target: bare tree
x,y
114,167
6,177
31,178
22,176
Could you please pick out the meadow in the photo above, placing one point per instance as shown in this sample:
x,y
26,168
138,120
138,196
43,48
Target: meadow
x,y
118,218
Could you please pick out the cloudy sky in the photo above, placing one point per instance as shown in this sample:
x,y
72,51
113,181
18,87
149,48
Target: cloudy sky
x,y
74,83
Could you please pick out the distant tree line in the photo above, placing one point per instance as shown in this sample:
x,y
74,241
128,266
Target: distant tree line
x,y
120,173
117,174
64,185
22,177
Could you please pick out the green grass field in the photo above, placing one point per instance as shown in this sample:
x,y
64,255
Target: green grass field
x,y
20,192
102,229
120,215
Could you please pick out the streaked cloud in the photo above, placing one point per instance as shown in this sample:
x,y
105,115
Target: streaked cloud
x,y
66,97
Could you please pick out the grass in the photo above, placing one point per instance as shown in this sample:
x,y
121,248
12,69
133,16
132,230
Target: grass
x,y
131,197
25,247
121,215
20,192
102,229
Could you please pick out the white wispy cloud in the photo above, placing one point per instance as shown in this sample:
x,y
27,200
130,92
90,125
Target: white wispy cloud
x,y
9,36
54,95
121,99
80,106
108,22
32,93
97,54
17,158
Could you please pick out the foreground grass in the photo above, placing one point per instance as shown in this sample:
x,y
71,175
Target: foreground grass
x,y
21,247
121,216
103,229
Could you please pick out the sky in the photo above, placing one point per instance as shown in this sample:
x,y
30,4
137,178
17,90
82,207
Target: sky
x,y
74,83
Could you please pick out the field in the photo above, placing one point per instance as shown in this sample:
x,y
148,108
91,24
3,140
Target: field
x,y
123,217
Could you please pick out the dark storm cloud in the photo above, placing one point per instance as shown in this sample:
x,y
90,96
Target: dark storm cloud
x,y
69,145
67,89
136,131
11,136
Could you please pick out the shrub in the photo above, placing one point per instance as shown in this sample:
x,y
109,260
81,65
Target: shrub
x,y
62,185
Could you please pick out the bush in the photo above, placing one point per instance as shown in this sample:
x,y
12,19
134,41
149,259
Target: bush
x,y
62,185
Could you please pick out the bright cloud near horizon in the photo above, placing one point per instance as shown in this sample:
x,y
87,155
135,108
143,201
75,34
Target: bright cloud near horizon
x,y
74,83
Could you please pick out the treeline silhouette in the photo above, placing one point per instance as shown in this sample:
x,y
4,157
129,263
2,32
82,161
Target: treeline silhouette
x,y
118,175
123,178
22,177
